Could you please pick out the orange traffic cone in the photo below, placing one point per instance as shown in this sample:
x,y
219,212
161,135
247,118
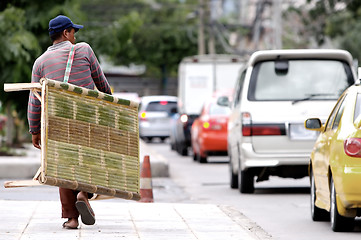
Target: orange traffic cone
x,y
146,189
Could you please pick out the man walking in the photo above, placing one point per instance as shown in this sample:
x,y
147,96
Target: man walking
x,y
85,72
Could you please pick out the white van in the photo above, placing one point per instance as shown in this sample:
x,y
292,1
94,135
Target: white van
x,y
276,92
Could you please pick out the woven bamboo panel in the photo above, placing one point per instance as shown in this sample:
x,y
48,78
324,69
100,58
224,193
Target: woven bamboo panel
x,y
91,141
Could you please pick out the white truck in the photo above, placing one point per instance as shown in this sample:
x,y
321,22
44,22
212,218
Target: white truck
x,y
199,78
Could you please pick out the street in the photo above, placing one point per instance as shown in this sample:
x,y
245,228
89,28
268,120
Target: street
x,y
279,206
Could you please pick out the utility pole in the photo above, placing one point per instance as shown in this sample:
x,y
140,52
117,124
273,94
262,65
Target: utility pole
x,y
257,24
243,9
277,24
211,16
201,42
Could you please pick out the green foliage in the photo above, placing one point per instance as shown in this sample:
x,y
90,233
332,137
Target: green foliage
x,y
155,34
24,36
16,57
338,20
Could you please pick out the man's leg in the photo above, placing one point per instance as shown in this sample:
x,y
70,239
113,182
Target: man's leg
x,y
68,209
84,208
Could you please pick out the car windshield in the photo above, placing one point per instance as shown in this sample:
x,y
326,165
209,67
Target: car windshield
x,y
299,80
161,106
215,109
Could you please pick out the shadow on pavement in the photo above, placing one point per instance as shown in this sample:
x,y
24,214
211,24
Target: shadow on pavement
x,y
282,190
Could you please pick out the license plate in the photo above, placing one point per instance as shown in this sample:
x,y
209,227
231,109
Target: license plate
x,y
299,132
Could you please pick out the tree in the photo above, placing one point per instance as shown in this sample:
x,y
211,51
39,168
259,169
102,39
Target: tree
x,y
19,46
155,34
338,20
24,35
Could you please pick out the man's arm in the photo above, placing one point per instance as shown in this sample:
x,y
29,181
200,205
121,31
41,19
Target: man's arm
x,y
36,139
34,105
97,73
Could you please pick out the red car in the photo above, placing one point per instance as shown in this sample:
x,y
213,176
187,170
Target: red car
x,y
209,131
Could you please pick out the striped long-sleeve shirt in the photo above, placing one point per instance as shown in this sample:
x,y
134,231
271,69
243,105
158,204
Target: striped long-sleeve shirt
x,y
85,72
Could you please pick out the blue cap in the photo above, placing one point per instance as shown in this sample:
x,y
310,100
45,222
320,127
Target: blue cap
x,y
60,23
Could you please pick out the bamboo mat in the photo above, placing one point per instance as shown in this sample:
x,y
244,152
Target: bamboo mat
x,y
91,141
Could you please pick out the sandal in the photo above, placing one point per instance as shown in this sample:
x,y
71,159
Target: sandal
x,y
86,212
68,226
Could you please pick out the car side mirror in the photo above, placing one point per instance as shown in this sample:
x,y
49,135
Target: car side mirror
x,y
223,101
314,124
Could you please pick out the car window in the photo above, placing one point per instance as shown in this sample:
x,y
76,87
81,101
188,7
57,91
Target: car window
x,y
338,116
357,107
300,80
333,114
161,106
239,88
216,109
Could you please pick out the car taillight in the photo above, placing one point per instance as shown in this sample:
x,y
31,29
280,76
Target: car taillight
x,y
143,116
211,125
249,129
206,125
352,147
266,130
246,124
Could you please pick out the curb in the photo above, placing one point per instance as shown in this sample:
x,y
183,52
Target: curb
x,y
159,165
25,167
247,224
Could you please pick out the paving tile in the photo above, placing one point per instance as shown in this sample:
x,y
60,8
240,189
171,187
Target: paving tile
x,y
40,220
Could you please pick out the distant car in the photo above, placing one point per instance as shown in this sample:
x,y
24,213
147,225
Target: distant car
x,y
335,166
155,113
172,139
209,131
276,91
133,96
180,138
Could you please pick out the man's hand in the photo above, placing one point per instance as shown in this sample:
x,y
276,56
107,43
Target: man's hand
x,y
36,138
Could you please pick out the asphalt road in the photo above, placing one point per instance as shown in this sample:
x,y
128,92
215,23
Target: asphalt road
x,y
280,206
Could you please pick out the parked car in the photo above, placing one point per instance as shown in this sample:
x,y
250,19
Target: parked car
x,y
199,77
209,131
276,91
133,96
155,114
335,166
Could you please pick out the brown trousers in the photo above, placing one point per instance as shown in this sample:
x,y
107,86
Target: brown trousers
x,y
68,200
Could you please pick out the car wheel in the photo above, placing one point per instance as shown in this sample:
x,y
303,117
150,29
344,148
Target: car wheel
x,y
172,146
162,139
182,150
233,177
338,223
317,214
195,156
179,148
245,180
202,159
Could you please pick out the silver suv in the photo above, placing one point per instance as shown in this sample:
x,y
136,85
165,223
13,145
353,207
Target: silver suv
x,y
155,114
276,92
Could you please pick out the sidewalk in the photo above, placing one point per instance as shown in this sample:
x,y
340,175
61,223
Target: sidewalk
x,y
40,220
118,218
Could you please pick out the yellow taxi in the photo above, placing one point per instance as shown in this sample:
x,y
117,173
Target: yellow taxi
x,y
335,165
